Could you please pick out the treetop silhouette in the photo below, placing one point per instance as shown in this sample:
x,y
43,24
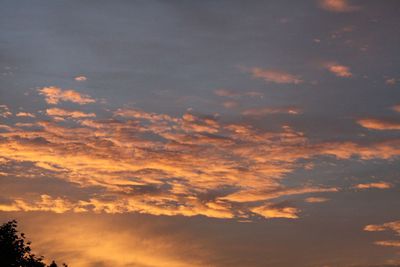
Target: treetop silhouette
x,y
15,252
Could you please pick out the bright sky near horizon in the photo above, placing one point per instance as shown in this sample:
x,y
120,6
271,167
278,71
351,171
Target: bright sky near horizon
x,y
202,133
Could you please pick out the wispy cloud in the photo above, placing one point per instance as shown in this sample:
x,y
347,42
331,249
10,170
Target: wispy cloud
x,y
5,111
80,78
275,76
396,108
231,93
53,95
378,124
339,70
337,5
58,112
316,199
377,185
390,226
270,110
25,114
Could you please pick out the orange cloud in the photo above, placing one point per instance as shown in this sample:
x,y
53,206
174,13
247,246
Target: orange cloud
x,y
271,211
377,185
337,5
268,111
316,199
378,124
53,95
275,76
396,108
339,70
186,165
58,112
25,114
388,243
390,226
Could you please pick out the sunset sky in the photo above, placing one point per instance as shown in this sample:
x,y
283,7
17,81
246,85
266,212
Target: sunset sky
x,y
202,133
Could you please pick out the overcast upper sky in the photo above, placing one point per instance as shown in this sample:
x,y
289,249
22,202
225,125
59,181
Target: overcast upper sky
x,y
202,133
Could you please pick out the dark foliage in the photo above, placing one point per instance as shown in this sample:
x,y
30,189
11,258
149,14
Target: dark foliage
x,y
15,252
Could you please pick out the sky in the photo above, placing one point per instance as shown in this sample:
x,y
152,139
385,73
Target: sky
x,y
202,133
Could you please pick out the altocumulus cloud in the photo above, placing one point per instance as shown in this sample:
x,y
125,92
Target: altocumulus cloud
x,y
160,164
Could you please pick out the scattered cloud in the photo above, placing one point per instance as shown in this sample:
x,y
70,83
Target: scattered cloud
x,y
236,94
267,111
25,114
378,124
377,185
230,104
5,111
396,108
337,5
275,76
58,112
391,81
388,243
80,78
185,165
274,211
316,199
53,95
339,70
390,226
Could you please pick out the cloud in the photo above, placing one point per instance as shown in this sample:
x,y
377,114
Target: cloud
x,y
58,112
396,108
235,94
316,199
391,81
377,185
53,95
5,111
274,211
390,226
275,76
230,104
25,114
378,124
337,5
80,78
339,70
267,111
184,165
388,243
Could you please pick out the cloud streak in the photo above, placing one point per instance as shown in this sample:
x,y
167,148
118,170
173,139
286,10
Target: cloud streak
x,y
275,76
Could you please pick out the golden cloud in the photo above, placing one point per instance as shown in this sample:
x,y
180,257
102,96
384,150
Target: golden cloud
x,y
25,114
163,165
378,124
53,95
58,112
377,185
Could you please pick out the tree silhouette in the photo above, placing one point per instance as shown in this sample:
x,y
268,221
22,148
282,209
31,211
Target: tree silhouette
x,y
15,252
